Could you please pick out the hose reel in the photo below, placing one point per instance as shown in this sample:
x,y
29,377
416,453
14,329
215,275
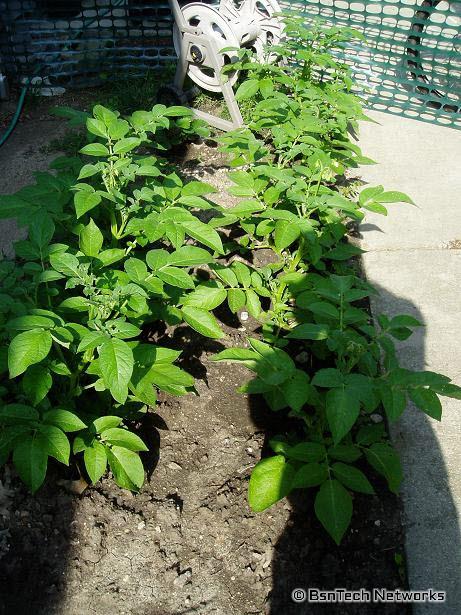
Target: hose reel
x,y
205,37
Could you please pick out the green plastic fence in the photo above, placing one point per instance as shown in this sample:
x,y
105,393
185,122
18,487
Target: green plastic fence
x,y
411,62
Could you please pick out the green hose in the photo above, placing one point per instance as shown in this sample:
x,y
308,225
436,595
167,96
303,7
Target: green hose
x,y
16,115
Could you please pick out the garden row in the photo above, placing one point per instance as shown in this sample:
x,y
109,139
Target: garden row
x,y
117,244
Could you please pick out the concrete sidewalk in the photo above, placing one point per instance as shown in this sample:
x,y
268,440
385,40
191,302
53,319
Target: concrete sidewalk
x,y
414,259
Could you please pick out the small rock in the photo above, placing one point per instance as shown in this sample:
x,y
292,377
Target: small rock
x,y
376,418
158,529
182,578
221,499
244,316
174,466
249,450
378,522
88,555
302,357
77,487
141,525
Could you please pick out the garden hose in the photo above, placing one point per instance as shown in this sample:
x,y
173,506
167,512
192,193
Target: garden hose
x,y
25,88
17,113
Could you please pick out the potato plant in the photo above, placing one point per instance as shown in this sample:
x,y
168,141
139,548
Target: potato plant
x,y
115,237
112,248
291,164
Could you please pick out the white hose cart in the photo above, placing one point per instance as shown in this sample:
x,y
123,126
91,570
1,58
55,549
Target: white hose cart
x,y
204,38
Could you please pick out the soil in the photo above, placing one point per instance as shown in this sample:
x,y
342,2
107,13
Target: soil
x,y
188,542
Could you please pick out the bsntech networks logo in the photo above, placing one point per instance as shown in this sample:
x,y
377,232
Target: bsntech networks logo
x,y
377,595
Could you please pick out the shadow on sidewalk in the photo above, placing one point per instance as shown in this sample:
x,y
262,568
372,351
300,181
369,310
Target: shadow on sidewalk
x,y
305,557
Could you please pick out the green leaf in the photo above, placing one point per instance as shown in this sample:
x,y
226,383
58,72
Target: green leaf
x,y
9,437
236,299
352,477
116,362
156,259
343,409
394,401
124,438
427,401
368,194
253,303
122,329
298,390
110,256
27,349
95,149
345,452
75,304
126,145
202,321
393,196
136,270
91,239
30,321
325,309
189,256
310,475
127,467
328,378
30,459
307,451
92,340
41,230
225,274
243,273
95,459
64,419
204,234
309,331
206,297
166,376
235,354
448,389
285,234
271,480
384,459
55,442
65,263
247,89
12,414
96,127
370,433
404,320
333,507
196,188
174,276
36,383
85,201
88,170
106,422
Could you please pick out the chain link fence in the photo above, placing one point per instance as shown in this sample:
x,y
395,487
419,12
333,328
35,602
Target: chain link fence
x,y
410,63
